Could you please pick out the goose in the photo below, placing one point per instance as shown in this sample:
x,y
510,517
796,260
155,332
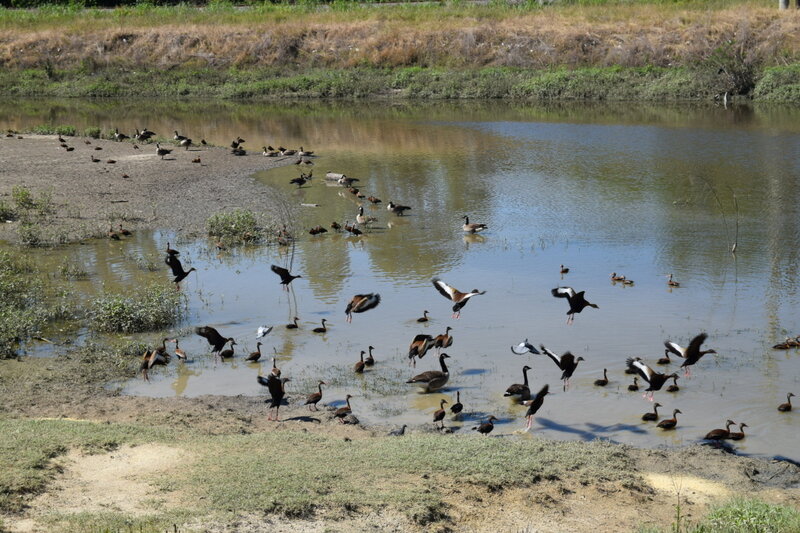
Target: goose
x,y
445,340
534,404
720,434
111,162
738,435
344,181
525,347
177,269
361,303
270,152
691,354
119,136
314,398
654,379
424,317
299,181
161,152
124,231
457,407
293,325
577,301
178,137
671,282
398,210
179,353
239,151
520,391
186,143
70,148
459,298
287,151
486,427
602,382
438,415
342,412
633,387
359,366
472,228
788,343
362,219
286,277
321,329
419,347
564,270
370,360
255,356
263,331
670,423
674,387
277,390
398,432
213,337
203,142
566,362
652,417
786,407
227,354
433,379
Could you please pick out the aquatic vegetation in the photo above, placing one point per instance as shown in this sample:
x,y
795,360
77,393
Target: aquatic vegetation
x,y
236,226
145,309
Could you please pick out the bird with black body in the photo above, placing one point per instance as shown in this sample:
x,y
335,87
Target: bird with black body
x,y
343,412
314,398
534,404
691,354
277,390
177,270
256,355
359,366
486,427
457,407
719,433
655,380
520,391
286,277
786,407
215,340
459,298
577,301
652,417
566,362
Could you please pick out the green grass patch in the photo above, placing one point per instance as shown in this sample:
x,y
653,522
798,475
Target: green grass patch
x,y
145,309
22,311
48,129
750,516
72,271
234,227
7,211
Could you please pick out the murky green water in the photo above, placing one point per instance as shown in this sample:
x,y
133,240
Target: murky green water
x,y
600,189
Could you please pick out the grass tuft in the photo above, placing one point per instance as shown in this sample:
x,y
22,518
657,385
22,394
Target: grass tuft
x,y
234,227
147,309
750,516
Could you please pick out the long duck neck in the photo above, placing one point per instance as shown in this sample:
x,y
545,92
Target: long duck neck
x,y
525,375
319,386
444,366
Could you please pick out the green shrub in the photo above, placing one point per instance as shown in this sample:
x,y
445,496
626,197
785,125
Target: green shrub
x,y
23,197
147,309
6,212
73,271
49,129
235,226
750,516
93,132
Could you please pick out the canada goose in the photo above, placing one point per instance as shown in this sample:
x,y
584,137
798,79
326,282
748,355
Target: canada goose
x,y
305,153
344,181
277,390
652,417
445,340
534,404
524,347
321,329
255,356
472,228
298,181
419,347
424,317
486,427
162,151
178,137
286,277
671,282
520,391
670,423
566,362
433,379
654,380
691,354
286,151
786,407
438,415
398,210
186,143
720,434
343,412
177,269
363,219
293,325
213,337
119,136
602,382
457,407
577,301
359,366
269,152
237,142
360,303
314,398
370,360
459,298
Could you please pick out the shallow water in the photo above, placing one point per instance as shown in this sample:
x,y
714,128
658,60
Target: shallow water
x,y
601,189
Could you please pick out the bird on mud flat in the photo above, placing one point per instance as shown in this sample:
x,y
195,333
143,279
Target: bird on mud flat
x,y
161,152
315,397
459,298
577,301
438,415
486,427
277,390
343,412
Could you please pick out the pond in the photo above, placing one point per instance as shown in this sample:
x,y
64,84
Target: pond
x,y
643,191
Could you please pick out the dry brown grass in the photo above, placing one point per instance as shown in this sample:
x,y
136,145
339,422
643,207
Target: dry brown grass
x,y
638,35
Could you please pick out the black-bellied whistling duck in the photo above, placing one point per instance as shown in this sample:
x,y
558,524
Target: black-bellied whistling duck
x,y
438,415
293,325
370,360
170,251
738,435
785,345
424,317
286,277
179,353
691,354
602,382
486,427
398,432
124,231
342,412
150,359
316,230
459,298
652,417
374,200
360,303
534,404
472,228
520,391
203,142
654,379
314,398
670,423
322,328
419,347
335,226
111,162
398,210
226,354
275,371
457,407
277,390
633,387
197,160
566,362
433,379
674,387
359,366
161,152
720,434
94,159
113,235
255,356
445,340
671,282
577,301
263,331
525,347
785,407
213,337
615,277
664,360
564,270
177,270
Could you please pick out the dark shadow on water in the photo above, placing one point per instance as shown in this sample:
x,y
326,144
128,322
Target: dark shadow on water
x,y
474,371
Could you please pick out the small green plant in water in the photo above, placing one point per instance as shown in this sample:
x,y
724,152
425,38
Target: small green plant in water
x,y
72,271
237,226
149,308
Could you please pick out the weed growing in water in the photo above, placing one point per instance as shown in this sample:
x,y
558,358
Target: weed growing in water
x,y
146,309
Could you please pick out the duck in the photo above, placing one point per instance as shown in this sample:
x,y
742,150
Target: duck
x,y
316,230
287,151
177,270
374,200
654,379
203,142
616,277
298,181
111,161
438,415
344,181
178,137
322,328
335,226
227,354
720,434
671,282
564,270
94,159
433,379
179,353
305,153
633,387
361,303
459,298
215,340
652,417
674,387
520,391
566,362
186,143
534,404
236,142
457,407
398,210
785,345
255,356
359,366
424,317
486,427
370,360
786,407
664,360
352,229
113,235
627,281
150,359
691,354
293,325
525,347
314,398
472,228
170,251
119,136
286,277
124,231
670,423
738,435
445,340
419,347
577,301
238,151
342,412
277,390
161,152
602,382
398,432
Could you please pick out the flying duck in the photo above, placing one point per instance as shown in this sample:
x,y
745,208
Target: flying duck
x,y
654,379
286,277
459,298
534,404
577,301
419,347
213,337
566,362
360,303
525,347
691,354
177,270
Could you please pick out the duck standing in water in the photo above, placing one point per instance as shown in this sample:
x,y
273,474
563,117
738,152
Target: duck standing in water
x,y
433,379
534,404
